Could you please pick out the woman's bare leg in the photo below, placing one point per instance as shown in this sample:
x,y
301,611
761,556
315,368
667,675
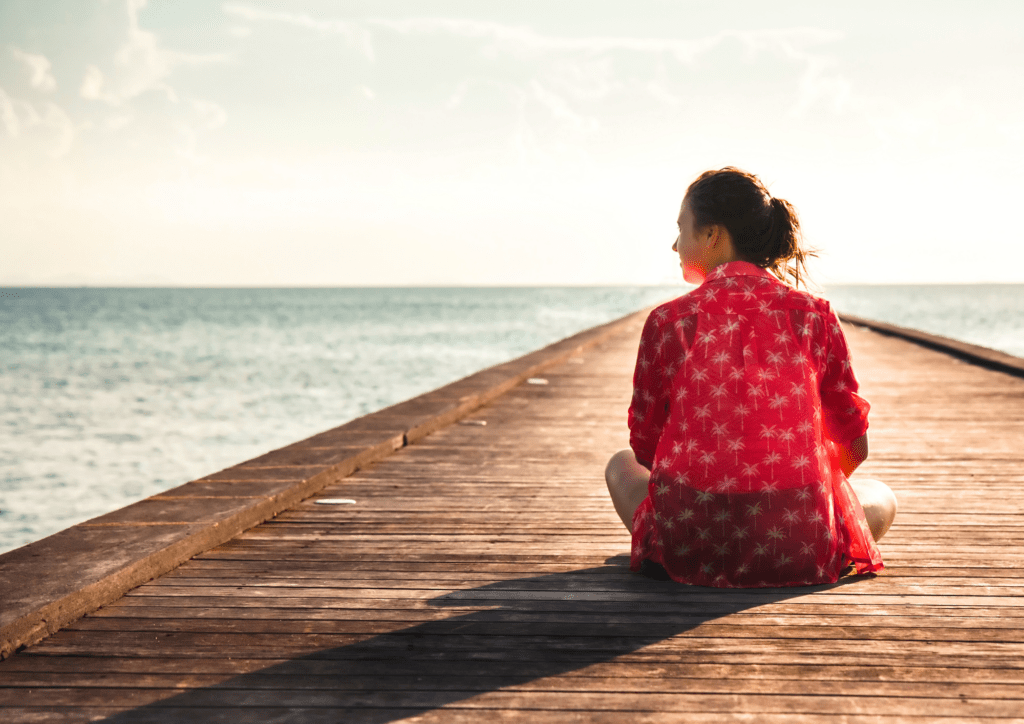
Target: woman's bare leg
x,y
879,503
627,483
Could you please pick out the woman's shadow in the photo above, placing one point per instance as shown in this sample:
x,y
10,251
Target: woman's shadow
x,y
531,628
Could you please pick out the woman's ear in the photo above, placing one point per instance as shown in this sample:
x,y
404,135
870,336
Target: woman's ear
x,y
714,236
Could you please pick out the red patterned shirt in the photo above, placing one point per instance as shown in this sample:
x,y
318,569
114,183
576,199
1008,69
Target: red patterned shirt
x,y
742,393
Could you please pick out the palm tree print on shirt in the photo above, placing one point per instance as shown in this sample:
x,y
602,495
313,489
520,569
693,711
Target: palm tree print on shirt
x,y
733,385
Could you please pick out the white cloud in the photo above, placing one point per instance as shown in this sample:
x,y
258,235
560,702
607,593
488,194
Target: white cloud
x,y
519,40
61,128
560,110
579,70
51,127
19,115
118,121
140,65
817,83
523,39
211,115
39,69
659,92
356,36
92,86
8,115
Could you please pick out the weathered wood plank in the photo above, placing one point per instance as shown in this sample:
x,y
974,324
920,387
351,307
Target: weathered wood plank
x,y
681,702
153,618
395,683
682,627
172,715
567,605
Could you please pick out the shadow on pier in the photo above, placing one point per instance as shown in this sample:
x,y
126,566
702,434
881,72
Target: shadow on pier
x,y
532,628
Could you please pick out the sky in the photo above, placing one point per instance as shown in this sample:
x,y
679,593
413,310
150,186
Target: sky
x,y
401,142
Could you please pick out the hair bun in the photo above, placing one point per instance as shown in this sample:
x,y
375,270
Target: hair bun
x,y
765,230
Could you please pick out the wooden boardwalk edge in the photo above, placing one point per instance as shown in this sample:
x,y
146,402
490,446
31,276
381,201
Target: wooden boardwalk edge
x,y
973,353
51,583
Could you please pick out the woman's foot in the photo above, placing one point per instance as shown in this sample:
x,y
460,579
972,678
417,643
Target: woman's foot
x,y
879,503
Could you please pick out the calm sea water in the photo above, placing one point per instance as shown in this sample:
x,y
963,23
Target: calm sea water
x,y
991,315
108,396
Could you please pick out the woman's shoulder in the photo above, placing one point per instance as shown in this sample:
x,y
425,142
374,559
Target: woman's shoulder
x,y
744,295
671,311
738,295
803,299
808,299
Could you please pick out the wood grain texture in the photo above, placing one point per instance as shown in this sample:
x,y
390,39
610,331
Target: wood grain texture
x,y
482,575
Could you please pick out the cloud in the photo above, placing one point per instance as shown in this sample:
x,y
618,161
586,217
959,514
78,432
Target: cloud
x,y
518,39
39,70
570,72
659,92
522,40
816,84
61,128
92,87
585,73
8,115
211,115
559,109
356,36
18,115
51,127
205,116
118,121
140,65
578,70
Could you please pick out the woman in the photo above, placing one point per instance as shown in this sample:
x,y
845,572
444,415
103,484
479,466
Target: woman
x,y
745,422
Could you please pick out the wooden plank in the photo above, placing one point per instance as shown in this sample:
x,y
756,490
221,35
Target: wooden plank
x,y
683,627
566,605
624,671
562,660
445,715
401,641
142,617
475,682
171,715
682,703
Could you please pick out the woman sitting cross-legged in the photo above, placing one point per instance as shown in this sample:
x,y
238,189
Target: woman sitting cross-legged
x,y
745,423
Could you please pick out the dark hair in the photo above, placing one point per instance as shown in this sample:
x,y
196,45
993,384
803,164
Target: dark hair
x,y
765,231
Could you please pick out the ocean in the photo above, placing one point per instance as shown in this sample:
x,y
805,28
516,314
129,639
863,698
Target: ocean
x,y
990,315
108,396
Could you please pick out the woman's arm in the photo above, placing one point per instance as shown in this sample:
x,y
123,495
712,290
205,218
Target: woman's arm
x,y
844,412
649,407
853,454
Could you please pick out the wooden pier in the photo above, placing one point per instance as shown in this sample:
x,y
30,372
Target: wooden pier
x,y
482,574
